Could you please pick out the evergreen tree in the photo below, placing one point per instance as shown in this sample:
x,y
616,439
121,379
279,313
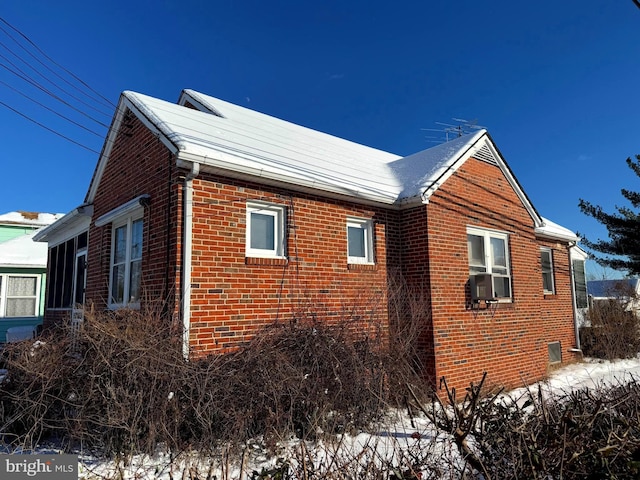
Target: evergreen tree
x,y
622,250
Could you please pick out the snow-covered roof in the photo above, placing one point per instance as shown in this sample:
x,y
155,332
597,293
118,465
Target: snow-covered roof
x,y
242,143
34,219
552,229
23,251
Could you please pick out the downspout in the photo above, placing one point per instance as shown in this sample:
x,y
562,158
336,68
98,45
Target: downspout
x,y
187,215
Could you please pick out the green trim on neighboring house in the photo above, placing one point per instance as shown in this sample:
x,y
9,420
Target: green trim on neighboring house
x,y
9,232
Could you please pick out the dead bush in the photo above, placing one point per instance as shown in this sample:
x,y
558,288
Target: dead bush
x,y
123,387
582,434
614,330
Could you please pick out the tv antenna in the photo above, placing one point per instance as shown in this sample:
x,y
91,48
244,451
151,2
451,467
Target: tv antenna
x,y
451,131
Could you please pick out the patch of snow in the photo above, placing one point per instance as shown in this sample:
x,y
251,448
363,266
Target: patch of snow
x,y
401,436
29,218
23,251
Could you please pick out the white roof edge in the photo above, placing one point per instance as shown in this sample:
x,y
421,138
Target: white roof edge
x,y
127,100
196,99
184,160
81,212
475,143
553,230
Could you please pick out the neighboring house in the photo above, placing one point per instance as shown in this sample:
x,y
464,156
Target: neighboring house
x,y
232,219
23,265
626,290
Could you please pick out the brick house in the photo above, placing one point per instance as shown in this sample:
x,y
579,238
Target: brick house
x,y
235,219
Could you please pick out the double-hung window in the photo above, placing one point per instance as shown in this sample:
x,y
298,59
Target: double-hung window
x,y
359,241
489,253
125,277
126,262
19,295
546,263
265,230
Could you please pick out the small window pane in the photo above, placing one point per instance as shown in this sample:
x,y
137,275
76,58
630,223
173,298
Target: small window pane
x,y
134,282
21,286
21,307
475,245
120,244
499,253
356,240
262,231
501,287
136,240
117,290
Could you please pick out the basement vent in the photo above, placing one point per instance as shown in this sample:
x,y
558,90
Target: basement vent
x,y
555,352
485,155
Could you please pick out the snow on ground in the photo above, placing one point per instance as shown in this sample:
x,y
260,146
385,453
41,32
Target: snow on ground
x,y
396,440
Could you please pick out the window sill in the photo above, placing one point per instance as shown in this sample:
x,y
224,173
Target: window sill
x,y
362,266
274,261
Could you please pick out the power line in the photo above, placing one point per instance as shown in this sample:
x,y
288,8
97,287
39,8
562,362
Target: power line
x,y
48,92
47,128
51,110
108,102
45,78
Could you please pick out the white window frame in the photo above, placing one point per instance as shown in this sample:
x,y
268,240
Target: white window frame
x,y
366,225
548,251
489,265
128,261
4,285
277,212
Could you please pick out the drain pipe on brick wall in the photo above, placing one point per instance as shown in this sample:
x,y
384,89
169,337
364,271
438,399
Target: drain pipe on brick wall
x,y
187,214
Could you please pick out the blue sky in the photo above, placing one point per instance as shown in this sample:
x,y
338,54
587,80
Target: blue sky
x,y
555,83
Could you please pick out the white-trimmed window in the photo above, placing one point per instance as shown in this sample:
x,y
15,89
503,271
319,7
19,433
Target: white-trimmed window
x,y
19,294
359,240
265,230
489,253
126,261
546,263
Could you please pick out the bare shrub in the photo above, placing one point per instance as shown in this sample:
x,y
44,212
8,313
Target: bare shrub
x,y
614,330
123,387
582,434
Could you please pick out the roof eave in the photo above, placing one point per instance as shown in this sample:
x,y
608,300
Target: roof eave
x,y
224,167
82,211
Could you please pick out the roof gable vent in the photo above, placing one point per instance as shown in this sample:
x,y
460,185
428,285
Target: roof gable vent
x,y
486,155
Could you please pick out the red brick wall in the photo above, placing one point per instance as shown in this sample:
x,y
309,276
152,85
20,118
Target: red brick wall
x,y
510,340
139,164
232,296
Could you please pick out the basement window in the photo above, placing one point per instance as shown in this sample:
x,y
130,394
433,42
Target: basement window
x,y
555,352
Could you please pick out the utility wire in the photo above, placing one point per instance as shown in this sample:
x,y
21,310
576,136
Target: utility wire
x,y
46,78
52,110
48,92
108,102
47,128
